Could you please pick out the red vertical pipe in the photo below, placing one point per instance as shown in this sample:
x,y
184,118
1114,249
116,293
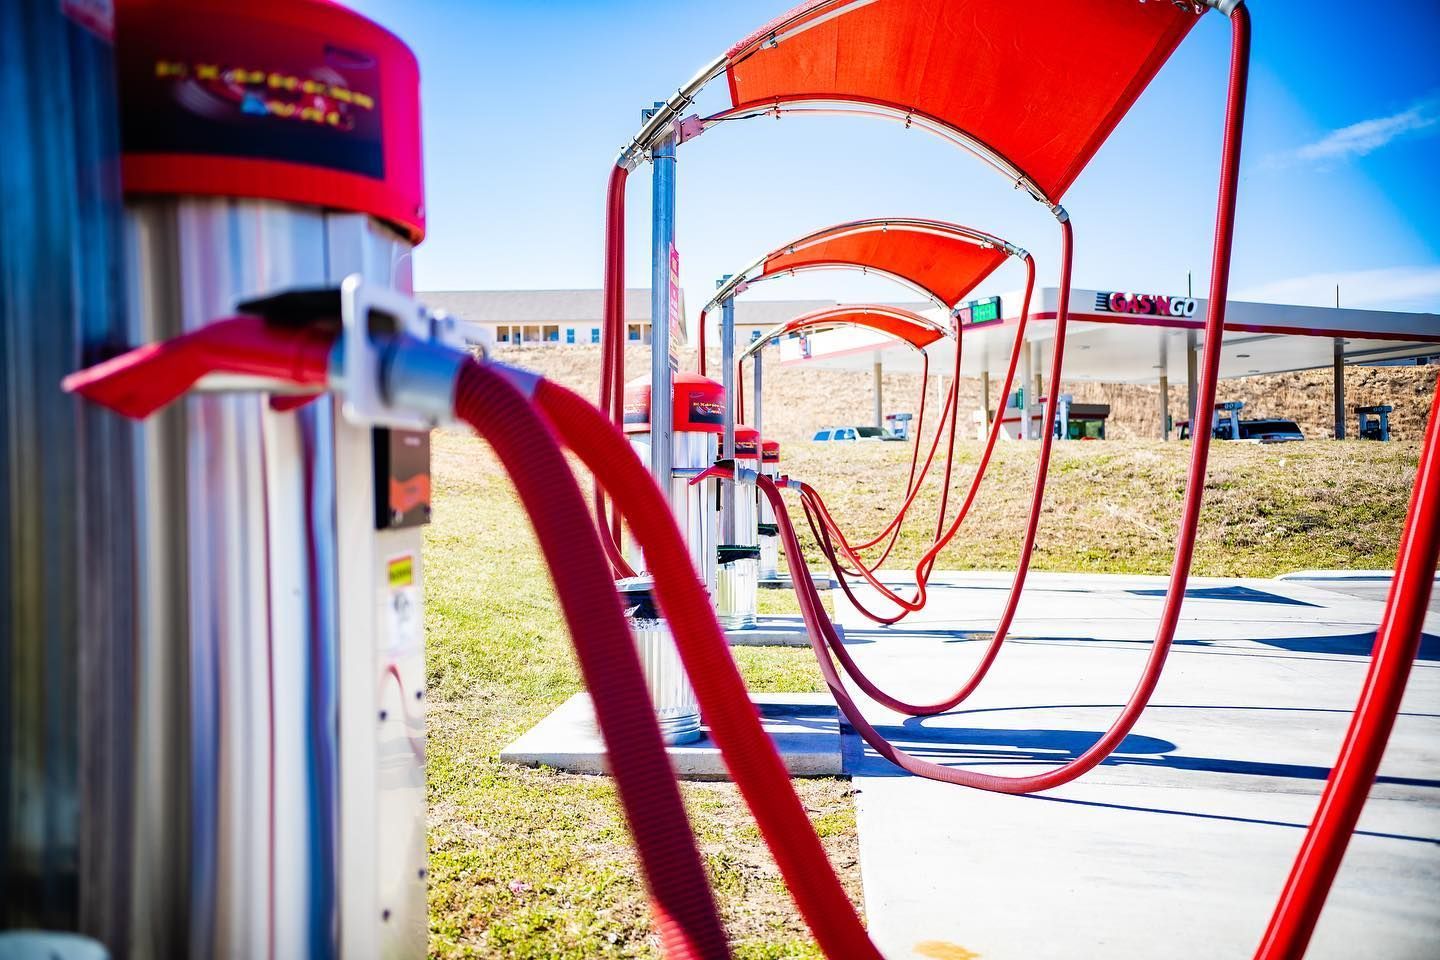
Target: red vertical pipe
x,y
1396,644
700,338
612,347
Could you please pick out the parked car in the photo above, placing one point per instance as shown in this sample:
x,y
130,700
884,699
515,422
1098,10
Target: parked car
x,y
1269,430
855,434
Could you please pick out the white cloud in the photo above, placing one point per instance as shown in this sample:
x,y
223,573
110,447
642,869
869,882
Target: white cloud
x,y
1367,136
1396,288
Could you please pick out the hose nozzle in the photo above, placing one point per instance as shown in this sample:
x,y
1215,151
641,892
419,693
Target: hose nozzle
x,y
140,382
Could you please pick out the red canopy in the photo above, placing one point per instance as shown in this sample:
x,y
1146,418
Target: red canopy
x,y
1034,86
895,322
945,260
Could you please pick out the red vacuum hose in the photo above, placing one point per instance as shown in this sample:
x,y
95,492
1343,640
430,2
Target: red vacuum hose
x,y
685,912
1396,644
732,718
912,485
927,562
1190,516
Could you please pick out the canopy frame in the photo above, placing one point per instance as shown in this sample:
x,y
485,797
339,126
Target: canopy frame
x,y
738,282
826,317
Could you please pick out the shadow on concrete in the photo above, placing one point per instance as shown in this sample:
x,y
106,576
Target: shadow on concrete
x,y
1234,593
986,746
1170,706
1218,816
1345,644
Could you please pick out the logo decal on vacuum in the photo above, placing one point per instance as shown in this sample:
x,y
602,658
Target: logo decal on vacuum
x,y
637,410
704,410
293,97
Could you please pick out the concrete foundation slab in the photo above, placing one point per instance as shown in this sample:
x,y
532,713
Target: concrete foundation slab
x,y
805,728
823,581
774,630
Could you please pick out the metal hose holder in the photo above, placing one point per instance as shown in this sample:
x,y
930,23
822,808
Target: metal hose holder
x,y
676,707
737,585
769,534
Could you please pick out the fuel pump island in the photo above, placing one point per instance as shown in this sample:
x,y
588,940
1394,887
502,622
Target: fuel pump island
x,y
214,660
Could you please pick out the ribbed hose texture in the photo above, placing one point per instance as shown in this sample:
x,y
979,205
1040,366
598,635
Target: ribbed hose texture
x,y
725,704
685,912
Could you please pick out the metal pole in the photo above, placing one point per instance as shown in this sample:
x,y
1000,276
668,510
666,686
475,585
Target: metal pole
x,y
1339,388
755,416
1192,382
984,398
1164,407
879,375
1027,361
662,240
1032,400
727,448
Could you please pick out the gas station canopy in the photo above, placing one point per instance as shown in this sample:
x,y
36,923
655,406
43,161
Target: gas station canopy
x,y
1119,337
1031,86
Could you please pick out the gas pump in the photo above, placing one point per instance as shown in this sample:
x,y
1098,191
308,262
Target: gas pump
x,y
1227,420
767,530
1062,414
899,424
737,579
1374,422
258,554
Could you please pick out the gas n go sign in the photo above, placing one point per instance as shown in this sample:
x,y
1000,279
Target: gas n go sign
x,y
1151,304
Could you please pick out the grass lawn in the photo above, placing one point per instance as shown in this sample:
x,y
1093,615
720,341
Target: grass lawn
x,y
534,863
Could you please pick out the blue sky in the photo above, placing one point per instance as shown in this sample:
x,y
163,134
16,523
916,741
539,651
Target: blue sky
x,y
526,103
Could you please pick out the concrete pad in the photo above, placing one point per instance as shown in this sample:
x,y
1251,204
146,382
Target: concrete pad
x,y
1364,584
1179,843
774,630
804,726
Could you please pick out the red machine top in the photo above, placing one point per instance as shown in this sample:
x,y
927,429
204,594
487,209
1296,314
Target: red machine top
x,y
770,451
699,405
747,443
297,100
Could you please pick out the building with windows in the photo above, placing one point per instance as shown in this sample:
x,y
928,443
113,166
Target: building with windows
x,y
572,317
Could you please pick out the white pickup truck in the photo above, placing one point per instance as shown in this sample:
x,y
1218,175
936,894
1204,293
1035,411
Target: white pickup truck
x,y
854,435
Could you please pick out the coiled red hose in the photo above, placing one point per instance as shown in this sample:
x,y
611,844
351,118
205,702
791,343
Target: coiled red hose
x,y
732,718
685,912
1396,644
913,486
926,564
